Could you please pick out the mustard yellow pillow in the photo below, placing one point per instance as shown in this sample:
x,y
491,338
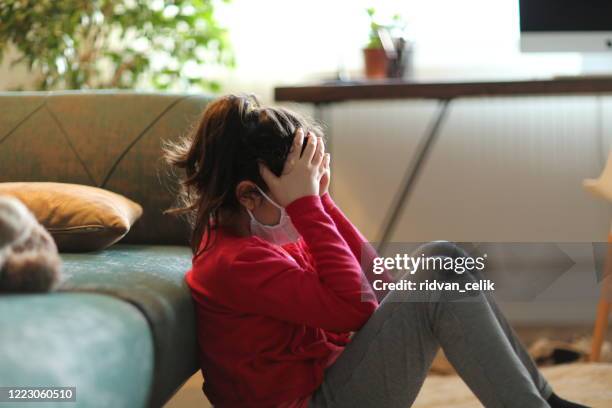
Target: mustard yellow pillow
x,y
80,218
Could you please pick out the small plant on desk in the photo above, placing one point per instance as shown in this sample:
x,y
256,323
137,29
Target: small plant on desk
x,y
385,52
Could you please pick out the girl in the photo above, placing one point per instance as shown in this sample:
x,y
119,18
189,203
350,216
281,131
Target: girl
x,y
278,286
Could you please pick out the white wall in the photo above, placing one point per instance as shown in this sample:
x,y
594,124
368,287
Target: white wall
x,y
295,41
14,76
502,170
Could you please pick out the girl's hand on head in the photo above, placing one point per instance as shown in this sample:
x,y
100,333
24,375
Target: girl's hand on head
x,y
325,175
301,174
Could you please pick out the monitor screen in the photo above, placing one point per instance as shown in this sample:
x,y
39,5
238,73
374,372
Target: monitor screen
x,y
565,15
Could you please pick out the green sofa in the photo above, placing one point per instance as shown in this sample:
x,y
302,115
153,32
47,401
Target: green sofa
x,y
121,327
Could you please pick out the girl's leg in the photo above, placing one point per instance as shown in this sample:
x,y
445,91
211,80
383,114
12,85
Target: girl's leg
x,y
537,377
448,249
387,360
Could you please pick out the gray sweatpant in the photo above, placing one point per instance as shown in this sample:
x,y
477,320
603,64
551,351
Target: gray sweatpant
x,y
386,362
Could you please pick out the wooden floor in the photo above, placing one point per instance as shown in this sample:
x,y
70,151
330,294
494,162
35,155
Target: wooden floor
x,y
191,396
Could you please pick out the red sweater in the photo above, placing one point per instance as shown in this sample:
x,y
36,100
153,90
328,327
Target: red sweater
x,y
270,318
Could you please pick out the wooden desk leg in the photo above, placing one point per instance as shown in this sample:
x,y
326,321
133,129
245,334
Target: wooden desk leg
x,y
603,308
410,177
601,326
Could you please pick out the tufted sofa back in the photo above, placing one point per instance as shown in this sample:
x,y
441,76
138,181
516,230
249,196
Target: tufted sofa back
x,y
107,139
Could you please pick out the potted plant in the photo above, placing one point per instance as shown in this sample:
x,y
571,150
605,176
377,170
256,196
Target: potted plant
x,y
388,53
375,57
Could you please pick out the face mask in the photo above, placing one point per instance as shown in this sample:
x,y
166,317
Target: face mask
x,y
280,234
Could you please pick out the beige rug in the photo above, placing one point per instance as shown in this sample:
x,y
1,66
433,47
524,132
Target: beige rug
x,y
586,383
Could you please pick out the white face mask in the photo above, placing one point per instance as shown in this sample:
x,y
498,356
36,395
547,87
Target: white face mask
x,y
280,234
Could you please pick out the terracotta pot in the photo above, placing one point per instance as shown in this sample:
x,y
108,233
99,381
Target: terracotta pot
x,y
376,63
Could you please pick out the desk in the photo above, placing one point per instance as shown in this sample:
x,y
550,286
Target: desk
x,y
324,94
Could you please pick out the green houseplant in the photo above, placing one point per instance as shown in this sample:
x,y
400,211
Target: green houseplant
x,y
376,60
76,44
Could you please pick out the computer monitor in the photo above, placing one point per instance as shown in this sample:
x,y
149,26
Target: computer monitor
x,y
566,26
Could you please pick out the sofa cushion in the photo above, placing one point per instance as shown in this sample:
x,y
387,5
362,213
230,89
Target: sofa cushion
x,y
98,344
108,139
151,277
80,218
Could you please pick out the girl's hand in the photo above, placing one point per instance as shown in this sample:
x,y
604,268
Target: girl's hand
x,y
301,175
325,175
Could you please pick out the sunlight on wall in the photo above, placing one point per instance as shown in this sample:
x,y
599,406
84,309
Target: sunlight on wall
x,y
294,41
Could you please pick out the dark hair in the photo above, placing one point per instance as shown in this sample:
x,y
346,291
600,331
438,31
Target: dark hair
x,y
234,134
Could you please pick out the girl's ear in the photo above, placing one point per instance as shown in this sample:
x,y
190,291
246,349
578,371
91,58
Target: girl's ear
x,y
247,194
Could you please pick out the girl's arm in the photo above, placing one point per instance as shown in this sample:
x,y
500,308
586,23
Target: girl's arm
x,y
262,280
360,247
